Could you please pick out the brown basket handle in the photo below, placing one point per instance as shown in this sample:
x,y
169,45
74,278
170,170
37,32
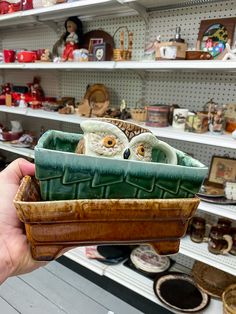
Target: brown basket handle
x,y
122,36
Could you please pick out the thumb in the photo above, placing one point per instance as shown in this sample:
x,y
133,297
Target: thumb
x,y
19,168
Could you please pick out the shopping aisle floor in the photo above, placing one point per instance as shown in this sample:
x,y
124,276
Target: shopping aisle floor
x,y
57,289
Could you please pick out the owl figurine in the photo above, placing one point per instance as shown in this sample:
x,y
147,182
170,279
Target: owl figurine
x,y
119,139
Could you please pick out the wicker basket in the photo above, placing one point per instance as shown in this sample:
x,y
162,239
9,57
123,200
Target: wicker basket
x,y
122,54
229,300
138,114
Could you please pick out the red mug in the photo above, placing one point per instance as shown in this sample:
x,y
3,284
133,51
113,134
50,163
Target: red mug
x,y
26,56
9,55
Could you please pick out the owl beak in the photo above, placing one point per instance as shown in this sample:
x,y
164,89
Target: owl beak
x,y
126,153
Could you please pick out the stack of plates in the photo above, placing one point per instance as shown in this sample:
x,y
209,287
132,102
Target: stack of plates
x,y
146,259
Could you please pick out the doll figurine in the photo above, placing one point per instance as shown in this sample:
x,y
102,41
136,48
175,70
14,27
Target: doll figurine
x,y
71,39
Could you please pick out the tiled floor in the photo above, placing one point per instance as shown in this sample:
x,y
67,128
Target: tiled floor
x,y
57,289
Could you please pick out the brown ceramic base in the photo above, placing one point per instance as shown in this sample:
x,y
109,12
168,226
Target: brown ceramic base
x,y
52,226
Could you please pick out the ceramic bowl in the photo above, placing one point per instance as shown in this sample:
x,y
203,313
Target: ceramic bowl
x,y
52,226
179,292
65,175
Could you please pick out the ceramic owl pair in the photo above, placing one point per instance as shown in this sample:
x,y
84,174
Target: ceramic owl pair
x,y
119,139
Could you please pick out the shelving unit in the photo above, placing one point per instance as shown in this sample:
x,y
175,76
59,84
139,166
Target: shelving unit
x,y
130,279
133,79
17,150
149,66
168,132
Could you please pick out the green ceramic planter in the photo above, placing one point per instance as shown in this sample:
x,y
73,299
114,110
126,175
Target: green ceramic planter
x,y
64,175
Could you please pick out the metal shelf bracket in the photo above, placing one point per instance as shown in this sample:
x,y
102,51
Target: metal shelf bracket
x,y
141,10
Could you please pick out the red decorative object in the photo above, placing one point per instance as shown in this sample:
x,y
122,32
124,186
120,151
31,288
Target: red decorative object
x,y
26,5
4,7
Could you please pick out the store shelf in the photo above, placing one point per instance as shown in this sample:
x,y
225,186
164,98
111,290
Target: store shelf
x,y
19,151
200,252
86,9
129,278
178,65
78,255
222,140
228,211
168,132
150,66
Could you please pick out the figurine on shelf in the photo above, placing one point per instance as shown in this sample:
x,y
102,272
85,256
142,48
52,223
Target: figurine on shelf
x,y
216,119
230,54
46,56
22,102
6,89
36,90
71,39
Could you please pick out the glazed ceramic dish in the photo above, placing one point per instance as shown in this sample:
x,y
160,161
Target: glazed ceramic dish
x,y
65,175
178,291
145,258
211,280
52,226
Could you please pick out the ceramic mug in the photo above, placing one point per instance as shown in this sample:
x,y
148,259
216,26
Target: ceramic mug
x,y
219,242
198,230
233,235
179,118
9,55
224,224
26,56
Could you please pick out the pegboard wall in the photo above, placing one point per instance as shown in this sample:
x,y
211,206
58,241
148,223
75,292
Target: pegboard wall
x,y
201,152
187,89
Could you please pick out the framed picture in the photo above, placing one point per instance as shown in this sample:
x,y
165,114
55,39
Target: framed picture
x,y
222,169
92,42
214,34
99,52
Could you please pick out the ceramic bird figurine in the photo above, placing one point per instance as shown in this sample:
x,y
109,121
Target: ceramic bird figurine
x,y
231,53
118,139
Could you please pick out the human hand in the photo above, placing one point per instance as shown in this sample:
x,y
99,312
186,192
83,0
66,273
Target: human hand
x,y
15,255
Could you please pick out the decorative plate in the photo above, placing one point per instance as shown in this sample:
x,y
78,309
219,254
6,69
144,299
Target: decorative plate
x,y
145,258
210,279
220,200
179,292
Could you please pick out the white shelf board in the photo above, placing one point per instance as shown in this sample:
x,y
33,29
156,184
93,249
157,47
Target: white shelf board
x,y
199,251
17,150
178,65
224,140
228,211
79,256
86,9
144,286
43,114
92,65
171,65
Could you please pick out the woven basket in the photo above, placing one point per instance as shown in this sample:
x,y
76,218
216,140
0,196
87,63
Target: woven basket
x,y
229,300
138,114
122,54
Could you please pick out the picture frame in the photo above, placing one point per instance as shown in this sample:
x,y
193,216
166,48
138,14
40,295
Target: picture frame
x,y
222,169
99,52
93,42
214,34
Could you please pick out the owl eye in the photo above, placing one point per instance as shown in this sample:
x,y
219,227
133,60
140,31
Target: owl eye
x,y
140,150
109,141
